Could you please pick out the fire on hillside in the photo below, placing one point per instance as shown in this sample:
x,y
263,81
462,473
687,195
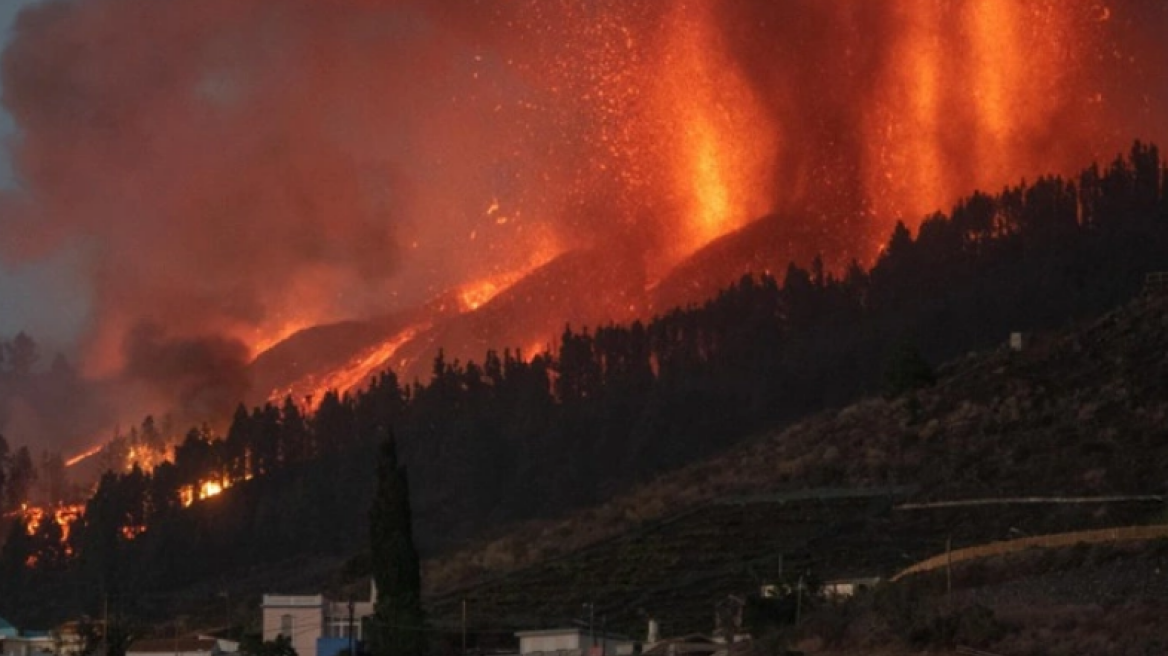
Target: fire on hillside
x,y
517,136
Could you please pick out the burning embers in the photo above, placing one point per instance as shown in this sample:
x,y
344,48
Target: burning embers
x,y
62,515
50,528
189,494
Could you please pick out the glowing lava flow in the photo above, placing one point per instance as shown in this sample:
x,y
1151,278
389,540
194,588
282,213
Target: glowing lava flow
x,y
476,294
265,339
473,296
468,298
89,453
313,388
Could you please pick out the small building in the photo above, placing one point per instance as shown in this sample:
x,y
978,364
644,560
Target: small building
x,y
196,646
67,639
297,617
1156,282
697,644
316,626
1018,341
30,644
573,641
14,642
844,588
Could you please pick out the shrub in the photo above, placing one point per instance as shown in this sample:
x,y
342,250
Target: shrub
x,y
977,626
905,370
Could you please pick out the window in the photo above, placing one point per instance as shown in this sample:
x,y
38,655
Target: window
x,y
286,626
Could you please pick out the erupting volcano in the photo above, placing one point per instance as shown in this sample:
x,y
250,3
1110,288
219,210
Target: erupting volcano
x,y
304,193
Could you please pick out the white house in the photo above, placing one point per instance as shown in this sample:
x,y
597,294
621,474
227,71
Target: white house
x,y
38,645
316,626
297,617
844,588
573,641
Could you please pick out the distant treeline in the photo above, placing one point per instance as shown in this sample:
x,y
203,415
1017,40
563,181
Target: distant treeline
x,y
518,437
39,400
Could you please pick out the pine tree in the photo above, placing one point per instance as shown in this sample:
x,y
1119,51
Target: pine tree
x,y
906,370
397,624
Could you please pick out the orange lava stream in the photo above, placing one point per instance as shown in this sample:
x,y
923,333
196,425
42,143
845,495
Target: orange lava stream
x,y
470,297
265,339
89,453
474,295
348,377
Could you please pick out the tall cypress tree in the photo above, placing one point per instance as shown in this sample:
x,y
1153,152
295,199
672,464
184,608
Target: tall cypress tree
x,y
398,622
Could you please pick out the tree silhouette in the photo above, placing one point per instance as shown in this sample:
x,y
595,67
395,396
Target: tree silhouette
x,y
398,621
21,354
906,371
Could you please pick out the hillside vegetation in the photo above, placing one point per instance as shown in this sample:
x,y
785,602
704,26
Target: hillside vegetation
x,y
1076,413
517,438
675,570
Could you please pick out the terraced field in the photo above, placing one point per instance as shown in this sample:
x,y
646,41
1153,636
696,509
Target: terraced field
x,y
676,569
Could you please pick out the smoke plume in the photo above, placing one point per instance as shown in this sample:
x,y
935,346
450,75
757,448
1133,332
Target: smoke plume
x,y
230,171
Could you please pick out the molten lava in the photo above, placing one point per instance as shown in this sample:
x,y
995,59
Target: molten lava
x,y
478,293
326,173
973,96
722,144
84,455
356,372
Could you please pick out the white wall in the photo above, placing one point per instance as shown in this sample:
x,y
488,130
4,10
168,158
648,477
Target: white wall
x,y
569,639
549,641
307,613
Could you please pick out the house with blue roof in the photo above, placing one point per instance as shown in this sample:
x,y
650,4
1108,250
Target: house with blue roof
x,y
7,630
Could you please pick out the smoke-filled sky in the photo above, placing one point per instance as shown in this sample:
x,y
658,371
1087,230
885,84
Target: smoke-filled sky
x,y
200,178
44,298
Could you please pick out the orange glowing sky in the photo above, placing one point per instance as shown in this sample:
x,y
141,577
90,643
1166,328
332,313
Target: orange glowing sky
x,y
244,169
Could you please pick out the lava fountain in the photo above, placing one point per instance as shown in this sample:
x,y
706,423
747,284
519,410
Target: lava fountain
x,y
246,169
722,145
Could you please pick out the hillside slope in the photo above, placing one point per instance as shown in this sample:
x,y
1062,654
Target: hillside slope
x,y
1076,413
675,570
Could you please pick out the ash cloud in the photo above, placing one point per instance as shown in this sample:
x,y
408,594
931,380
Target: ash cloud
x,y
214,160
201,377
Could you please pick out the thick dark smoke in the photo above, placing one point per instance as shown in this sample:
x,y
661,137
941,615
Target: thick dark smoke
x,y
231,170
206,376
194,150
